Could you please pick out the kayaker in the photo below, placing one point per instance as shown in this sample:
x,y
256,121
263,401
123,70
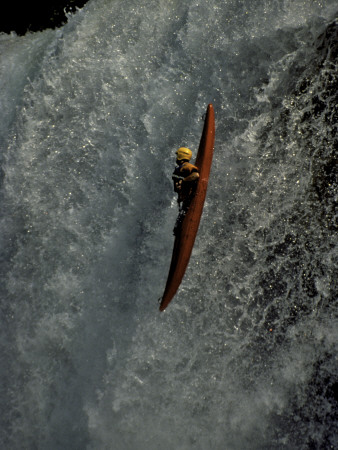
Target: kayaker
x,y
185,177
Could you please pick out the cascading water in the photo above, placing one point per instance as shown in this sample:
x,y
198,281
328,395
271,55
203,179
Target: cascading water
x,y
245,355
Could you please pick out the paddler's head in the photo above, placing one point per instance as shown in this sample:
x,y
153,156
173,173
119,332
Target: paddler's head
x,y
183,154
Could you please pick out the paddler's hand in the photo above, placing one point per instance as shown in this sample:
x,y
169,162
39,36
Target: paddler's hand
x,y
178,185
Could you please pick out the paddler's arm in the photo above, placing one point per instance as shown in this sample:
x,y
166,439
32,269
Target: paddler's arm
x,y
177,178
192,177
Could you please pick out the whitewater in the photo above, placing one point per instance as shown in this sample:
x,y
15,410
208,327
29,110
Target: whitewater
x,y
245,356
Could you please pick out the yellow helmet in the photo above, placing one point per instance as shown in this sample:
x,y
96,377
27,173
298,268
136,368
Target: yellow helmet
x,y
184,153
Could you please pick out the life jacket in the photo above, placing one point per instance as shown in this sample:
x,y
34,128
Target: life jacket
x,y
183,171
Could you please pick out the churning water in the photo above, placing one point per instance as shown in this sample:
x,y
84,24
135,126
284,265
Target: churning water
x,y
245,357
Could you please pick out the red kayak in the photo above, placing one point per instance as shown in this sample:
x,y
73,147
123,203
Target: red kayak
x,y
185,238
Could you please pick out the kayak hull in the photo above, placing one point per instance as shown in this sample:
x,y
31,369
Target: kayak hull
x,y
185,238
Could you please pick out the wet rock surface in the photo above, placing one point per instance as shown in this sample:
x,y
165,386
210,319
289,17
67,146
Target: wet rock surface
x,y
23,16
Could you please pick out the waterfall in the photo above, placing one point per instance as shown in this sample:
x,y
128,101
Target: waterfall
x,y
244,357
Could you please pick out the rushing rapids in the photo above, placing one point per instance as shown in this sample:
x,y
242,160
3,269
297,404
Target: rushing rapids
x,y
92,114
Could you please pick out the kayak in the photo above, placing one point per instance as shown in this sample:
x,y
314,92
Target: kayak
x,y
185,238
